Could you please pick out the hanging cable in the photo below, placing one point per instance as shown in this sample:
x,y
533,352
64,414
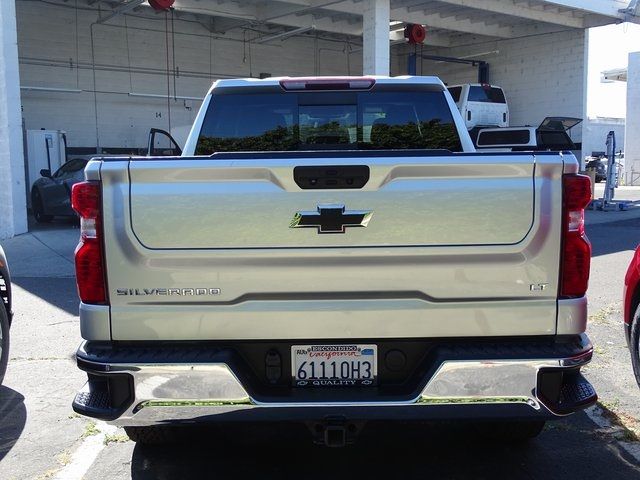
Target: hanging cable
x,y
210,56
126,36
250,64
348,52
173,54
244,46
77,50
166,37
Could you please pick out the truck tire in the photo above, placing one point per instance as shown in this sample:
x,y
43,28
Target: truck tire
x,y
4,341
512,431
154,435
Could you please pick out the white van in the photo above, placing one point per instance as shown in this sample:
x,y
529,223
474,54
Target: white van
x,y
481,105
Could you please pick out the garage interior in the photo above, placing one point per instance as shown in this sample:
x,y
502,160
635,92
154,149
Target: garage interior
x,y
106,71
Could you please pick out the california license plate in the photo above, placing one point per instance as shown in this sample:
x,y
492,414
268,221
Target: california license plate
x,y
334,365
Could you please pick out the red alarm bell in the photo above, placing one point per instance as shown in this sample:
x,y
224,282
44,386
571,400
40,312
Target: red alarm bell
x,y
161,4
415,33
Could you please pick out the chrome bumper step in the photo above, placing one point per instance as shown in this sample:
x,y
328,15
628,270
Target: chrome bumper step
x,y
149,388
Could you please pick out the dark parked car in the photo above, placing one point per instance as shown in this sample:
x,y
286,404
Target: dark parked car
x,y
600,167
5,313
51,194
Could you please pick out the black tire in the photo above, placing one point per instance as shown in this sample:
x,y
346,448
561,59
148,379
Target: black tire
x,y
38,210
511,431
153,435
634,344
4,342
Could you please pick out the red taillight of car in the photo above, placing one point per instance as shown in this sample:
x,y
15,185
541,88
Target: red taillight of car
x,y
86,200
576,248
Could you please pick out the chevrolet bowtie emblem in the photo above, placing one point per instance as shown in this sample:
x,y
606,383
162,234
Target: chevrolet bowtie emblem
x,y
331,219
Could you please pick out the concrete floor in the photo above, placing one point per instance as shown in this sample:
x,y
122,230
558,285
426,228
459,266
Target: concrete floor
x,y
40,437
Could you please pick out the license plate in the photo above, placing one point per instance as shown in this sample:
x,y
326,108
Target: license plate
x,y
334,365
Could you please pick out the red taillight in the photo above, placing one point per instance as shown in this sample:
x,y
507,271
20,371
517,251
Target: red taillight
x,y
85,199
328,83
576,249
89,271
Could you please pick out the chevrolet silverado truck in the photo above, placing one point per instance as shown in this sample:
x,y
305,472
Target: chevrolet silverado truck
x,y
332,251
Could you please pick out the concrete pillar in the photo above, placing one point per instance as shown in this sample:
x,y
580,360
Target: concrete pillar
x,y
375,37
631,137
13,209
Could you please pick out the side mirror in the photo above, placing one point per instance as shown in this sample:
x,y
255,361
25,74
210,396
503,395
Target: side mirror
x,y
45,172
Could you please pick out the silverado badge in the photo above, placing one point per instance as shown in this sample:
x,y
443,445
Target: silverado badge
x,y
331,219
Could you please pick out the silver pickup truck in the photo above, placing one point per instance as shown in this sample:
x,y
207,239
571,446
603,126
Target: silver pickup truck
x,y
331,251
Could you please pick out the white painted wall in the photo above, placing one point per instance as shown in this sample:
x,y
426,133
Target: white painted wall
x,y
632,137
13,215
54,40
595,131
542,75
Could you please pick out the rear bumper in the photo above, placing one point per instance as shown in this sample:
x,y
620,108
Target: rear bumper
x,y
144,385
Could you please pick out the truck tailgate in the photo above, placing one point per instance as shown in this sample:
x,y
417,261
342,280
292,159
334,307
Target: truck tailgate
x,y
210,204
203,248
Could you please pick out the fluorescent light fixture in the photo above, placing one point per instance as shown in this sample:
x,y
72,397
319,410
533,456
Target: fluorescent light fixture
x,y
156,95
50,89
283,35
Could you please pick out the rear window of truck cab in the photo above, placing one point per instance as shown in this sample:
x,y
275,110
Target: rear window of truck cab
x,y
486,94
327,121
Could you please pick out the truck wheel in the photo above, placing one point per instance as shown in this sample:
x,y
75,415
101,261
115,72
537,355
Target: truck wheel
x,y
513,431
634,344
155,435
38,210
4,341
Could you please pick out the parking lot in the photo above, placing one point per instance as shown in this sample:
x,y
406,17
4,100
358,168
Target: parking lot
x,y
41,437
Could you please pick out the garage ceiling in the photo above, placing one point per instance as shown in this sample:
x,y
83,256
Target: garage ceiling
x,y
449,22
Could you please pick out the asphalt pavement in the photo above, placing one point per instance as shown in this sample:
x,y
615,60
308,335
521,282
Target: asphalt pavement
x,y
41,437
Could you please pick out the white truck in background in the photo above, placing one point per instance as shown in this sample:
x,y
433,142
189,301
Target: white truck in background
x,y
481,105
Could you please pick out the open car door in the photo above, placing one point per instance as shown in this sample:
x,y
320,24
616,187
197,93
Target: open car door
x,y
162,144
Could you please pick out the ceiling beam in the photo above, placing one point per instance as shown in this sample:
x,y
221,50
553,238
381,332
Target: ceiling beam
x,y
250,14
223,25
405,14
521,11
267,11
233,15
122,8
608,8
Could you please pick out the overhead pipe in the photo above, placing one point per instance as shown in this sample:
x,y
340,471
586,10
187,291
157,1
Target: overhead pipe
x,y
284,35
